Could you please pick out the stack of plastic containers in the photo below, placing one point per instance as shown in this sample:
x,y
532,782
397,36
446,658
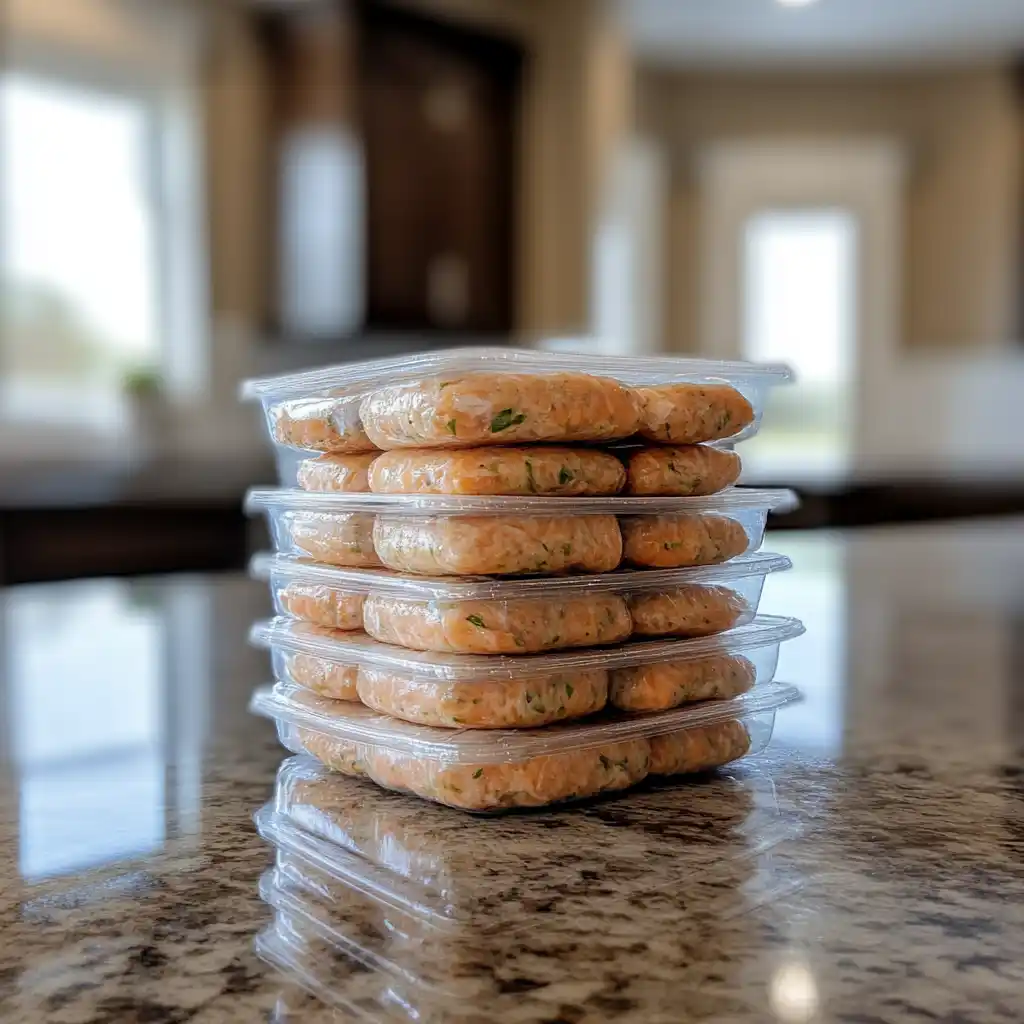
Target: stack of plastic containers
x,y
511,578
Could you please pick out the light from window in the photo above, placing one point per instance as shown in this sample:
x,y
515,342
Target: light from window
x,y
816,593
80,273
799,307
85,671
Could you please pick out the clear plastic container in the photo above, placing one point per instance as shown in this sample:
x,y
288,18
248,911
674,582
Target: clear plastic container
x,y
421,864
467,691
450,535
491,771
464,397
481,615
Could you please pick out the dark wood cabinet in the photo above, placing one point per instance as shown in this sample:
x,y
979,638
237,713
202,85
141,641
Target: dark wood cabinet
x,y
439,130
432,108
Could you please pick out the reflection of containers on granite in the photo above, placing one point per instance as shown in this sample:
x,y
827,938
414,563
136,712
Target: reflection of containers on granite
x,y
411,919
329,976
421,862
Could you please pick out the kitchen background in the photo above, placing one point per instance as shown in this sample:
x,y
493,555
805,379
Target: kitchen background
x,y
193,193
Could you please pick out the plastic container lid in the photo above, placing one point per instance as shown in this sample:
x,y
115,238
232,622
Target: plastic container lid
x,y
485,588
359,649
353,378
354,723
734,499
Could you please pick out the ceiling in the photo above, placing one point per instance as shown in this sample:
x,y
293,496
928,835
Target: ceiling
x,y
852,33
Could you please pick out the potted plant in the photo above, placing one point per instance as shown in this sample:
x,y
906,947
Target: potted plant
x,y
143,389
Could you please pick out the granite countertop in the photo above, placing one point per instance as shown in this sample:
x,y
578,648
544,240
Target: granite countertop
x,y
869,866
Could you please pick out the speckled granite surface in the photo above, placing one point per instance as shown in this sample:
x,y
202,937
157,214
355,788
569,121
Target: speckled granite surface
x,y
869,867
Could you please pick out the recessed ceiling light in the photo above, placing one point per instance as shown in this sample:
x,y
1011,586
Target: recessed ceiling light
x,y
795,3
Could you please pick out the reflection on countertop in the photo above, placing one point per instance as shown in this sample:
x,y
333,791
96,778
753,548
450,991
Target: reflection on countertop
x,y
869,866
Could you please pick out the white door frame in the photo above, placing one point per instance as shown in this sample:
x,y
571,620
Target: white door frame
x,y
740,178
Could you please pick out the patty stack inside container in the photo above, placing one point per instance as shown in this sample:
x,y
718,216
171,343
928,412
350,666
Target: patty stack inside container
x,y
512,578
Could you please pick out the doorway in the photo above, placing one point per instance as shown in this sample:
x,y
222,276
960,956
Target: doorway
x,y
799,255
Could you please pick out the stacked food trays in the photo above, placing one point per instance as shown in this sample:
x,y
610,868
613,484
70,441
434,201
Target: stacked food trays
x,y
510,578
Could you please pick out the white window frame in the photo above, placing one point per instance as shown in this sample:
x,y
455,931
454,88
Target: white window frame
x,y
175,182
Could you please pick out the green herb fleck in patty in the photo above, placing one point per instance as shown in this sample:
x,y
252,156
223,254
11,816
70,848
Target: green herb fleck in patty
x,y
505,419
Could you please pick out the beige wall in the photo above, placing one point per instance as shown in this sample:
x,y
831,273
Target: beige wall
x,y
238,179
962,132
126,32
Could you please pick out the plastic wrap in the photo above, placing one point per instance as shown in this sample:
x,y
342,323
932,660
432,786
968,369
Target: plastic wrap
x,y
699,749
492,771
506,396
693,470
344,538
499,545
674,541
670,684
695,610
521,616
342,756
693,413
536,782
320,604
505,471
335,473
322,676
515,535
320,424
526,702
523,626
500,408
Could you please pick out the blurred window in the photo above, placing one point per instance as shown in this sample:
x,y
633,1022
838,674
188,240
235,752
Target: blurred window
x,y
799,307
80,248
